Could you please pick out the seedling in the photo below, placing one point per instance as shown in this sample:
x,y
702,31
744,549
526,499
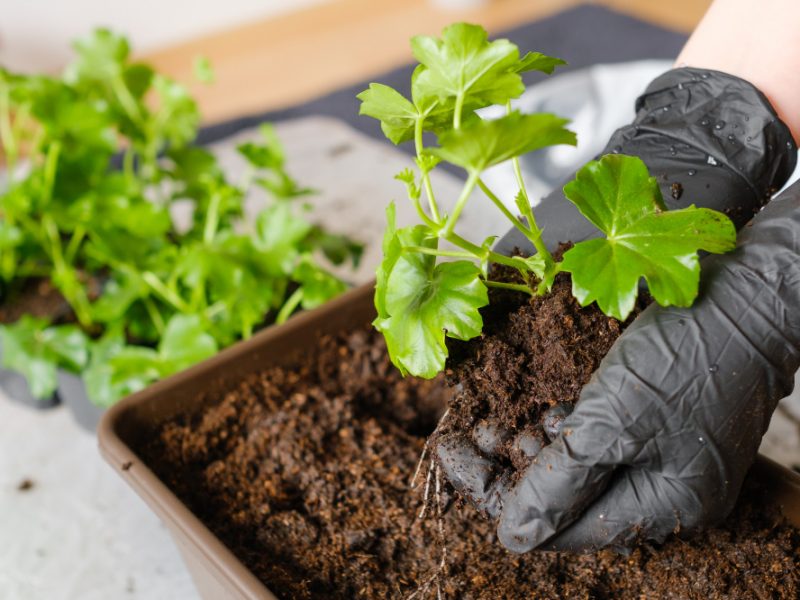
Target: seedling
x,y
426,292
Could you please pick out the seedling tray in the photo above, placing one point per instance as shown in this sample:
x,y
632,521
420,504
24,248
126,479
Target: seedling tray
x,y
217,573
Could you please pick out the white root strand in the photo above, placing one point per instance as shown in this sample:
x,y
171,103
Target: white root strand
x,y
413,483
426,494
434,474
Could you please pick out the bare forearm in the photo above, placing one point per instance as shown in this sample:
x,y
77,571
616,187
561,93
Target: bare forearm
x,y
758,41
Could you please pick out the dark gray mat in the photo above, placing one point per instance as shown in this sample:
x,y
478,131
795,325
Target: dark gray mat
x,y
583,36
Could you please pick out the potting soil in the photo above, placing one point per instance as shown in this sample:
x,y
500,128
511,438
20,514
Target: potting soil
x,y
304,473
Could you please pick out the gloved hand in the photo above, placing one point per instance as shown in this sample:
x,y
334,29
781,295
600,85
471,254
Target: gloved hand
x,y
665,431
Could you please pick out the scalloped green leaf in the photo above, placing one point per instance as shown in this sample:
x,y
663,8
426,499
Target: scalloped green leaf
x,y
643,239
420,303
481,144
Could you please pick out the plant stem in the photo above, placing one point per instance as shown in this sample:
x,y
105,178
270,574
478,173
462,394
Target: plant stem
x,y
65,276
155,315
74,243
517,287
127,101
212,218
437,252
472,180
6,135
288,307
509,215
527,211
421,214
127,163
458,110
479,253
426,179
50,165
167,294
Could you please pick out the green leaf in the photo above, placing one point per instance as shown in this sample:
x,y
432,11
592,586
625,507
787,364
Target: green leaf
x,y
391,252
185,342
117,370
99,56
101,388
485,143
463,62
337,248
536,61
178,116
409,178
643,239
10,236
278,234
398,116
427,303
138,79
536,264
317,284
203,71
36,351
119,293
420,303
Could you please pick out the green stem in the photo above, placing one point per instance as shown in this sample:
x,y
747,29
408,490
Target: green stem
x,y
74,293
437,252
288,307
27,270
517,287
212,218
6,134
502,207
127,101
472,180
426,179
479,253
425,218
459,108
127,163
167,294
527,211
155,315
50,165
74,243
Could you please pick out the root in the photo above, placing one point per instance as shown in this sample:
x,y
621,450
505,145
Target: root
x,y
433,483
412,484
426,494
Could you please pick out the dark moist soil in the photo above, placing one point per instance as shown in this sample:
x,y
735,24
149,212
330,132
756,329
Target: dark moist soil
x,y
534,354
304,474
38,298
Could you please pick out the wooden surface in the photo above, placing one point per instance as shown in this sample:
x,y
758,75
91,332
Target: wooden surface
x,y
294,57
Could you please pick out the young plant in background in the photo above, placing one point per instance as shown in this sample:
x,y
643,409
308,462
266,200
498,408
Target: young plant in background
x,y
98,163
426,292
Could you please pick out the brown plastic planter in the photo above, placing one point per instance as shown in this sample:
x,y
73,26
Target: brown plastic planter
x,y
217,573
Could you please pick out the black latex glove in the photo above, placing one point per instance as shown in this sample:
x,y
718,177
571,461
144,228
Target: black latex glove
x,y
665,431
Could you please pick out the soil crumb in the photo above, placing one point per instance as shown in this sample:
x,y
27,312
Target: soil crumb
x,y
26,485
304,474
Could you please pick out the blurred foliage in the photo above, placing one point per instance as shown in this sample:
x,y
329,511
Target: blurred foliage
x,y
95,161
